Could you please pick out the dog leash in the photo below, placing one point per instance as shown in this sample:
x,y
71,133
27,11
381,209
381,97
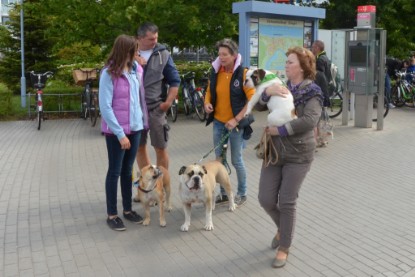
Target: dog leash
x,y
224,146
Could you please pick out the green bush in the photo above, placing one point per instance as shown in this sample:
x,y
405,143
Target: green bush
x,y
6,107
200,69
10,105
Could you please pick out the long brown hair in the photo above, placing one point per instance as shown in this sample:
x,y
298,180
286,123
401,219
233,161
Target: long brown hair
x,y
306,59
124,49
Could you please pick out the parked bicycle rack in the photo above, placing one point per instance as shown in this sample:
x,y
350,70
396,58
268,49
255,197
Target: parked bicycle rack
x,y
61,105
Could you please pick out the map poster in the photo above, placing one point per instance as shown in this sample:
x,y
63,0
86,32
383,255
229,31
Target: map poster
x,y
275,37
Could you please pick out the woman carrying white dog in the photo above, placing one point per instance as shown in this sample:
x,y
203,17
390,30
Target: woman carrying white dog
x,y
280,183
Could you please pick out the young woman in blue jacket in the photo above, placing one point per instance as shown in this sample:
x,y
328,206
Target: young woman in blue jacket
x,y
124,116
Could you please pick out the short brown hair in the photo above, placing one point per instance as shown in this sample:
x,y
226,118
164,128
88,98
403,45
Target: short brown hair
x,y
306,59
228,43
319,44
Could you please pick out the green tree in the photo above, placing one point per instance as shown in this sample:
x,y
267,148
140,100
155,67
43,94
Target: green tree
x,y
38,47
182,23
391,15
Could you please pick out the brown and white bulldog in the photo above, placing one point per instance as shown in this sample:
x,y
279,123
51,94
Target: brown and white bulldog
x,y
197,184
154,185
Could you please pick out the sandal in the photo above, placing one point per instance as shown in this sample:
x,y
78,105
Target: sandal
x,y
278,263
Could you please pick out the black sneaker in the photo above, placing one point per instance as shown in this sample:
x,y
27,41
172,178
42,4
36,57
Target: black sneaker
x,y
221,199
133,217
240,200
116,224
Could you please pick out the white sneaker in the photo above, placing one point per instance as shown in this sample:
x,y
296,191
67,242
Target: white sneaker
x,y
391,106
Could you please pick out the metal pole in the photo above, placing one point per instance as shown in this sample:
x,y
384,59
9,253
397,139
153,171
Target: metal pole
x,y
23,78
381,84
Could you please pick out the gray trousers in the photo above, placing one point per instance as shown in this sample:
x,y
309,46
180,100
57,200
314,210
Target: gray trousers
x,y
278,192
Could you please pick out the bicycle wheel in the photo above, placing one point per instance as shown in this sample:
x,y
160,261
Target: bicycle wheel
x,y
93,110
396,97
186,101
336,105
199,106
39,119
84,109
173,111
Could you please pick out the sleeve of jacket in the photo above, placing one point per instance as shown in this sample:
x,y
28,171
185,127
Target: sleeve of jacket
x,y
308,120
171,74
321,65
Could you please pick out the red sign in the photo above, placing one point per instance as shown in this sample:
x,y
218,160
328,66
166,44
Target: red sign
x,y
363,16
352,75
366,9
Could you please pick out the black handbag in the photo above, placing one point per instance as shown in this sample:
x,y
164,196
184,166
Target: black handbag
x,y
246,121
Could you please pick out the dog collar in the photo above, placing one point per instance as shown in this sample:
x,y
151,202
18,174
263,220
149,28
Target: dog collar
x,y
146,191
268,77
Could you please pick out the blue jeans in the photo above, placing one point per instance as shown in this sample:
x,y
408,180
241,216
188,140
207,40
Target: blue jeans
x,y
236,145
388,88
120,164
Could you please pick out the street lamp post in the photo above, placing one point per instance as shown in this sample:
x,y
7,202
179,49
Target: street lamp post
x,y
23,78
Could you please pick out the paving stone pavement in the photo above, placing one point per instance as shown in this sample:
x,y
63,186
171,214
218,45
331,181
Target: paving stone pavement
x,y
355,210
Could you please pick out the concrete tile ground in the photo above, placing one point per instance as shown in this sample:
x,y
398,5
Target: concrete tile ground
x,y
355,211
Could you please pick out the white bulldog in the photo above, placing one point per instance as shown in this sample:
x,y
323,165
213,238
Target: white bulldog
x,y
197,184
281,109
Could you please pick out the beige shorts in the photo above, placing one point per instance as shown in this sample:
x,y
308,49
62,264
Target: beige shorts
x,y
159,129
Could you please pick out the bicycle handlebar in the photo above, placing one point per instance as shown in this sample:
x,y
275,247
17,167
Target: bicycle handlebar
x,y
189,75
39,79
47,73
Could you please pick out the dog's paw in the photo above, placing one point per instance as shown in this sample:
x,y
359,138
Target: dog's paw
x,y
209,227
163,223
185,227
232,207
169,209
146,222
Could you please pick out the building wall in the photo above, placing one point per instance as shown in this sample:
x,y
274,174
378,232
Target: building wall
x,y
5,6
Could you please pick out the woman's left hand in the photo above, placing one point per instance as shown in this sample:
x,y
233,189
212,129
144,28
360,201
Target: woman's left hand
x,y
272,131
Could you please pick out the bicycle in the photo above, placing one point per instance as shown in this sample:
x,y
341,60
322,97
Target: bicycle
x,y
172,111
89,97
402,91
336,102
38,82
335,107
193,98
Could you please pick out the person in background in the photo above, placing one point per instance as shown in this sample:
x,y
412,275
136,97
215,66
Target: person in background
x,y
124,116
158,65
323,71
323,63
320,135
225,104
411,69
280,183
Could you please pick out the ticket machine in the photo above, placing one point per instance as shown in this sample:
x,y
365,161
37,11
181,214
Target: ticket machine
x,y
363,62
364,70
